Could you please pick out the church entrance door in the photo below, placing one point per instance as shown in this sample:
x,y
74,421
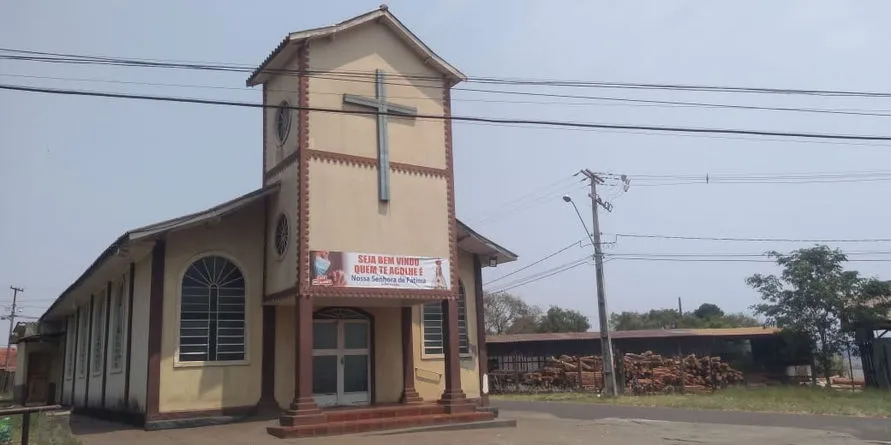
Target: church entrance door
x,y
341,359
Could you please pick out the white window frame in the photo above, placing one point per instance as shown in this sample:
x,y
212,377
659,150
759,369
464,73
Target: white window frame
x,y
248,314
462,304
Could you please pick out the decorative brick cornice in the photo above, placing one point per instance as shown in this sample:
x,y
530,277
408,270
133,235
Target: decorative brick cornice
x,y
362,161
288,161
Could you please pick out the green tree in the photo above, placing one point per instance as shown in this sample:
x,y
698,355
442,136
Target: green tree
x,y
708,315
508,314
558,319
708,311
814,296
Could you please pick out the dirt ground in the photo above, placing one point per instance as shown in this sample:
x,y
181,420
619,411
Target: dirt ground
x,y
532,429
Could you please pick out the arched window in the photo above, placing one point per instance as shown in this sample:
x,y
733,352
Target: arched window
x,y
434,332
212,308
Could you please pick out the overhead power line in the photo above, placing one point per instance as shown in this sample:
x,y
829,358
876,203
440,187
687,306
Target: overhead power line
x,y
56,57
544,274
536,122
547,257
755,239
587,99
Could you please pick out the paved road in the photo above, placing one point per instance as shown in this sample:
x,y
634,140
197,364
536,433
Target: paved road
x,y
862,428
532,429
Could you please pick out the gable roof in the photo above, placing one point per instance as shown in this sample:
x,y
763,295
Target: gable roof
x,y
148,232
468,239
288,47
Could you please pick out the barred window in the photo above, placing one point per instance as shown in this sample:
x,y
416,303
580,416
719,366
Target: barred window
x,y
434,330
212,312
98,336
117,345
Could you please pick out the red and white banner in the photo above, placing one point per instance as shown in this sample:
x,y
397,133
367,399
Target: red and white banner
x,y
368,270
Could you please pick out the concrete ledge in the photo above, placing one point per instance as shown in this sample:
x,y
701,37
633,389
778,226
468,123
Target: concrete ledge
x,y
489,409
497,423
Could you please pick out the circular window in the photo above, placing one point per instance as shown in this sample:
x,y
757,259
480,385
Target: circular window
x,y
282,235
283,121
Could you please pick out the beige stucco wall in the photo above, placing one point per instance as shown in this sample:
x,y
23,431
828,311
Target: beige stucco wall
x,y
284,355
140,333
239,237
365,49
281,271
343,197
429,370
346,215
277,89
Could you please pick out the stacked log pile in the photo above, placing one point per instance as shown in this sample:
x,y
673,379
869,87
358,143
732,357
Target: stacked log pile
x,y
643,374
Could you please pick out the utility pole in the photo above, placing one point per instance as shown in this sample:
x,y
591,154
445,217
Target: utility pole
x,y
606,344
15,294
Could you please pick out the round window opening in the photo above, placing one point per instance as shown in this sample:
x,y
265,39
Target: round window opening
x,y
282,235
283,121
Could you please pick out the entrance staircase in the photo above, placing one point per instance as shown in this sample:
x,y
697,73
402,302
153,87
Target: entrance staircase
x,y
379,417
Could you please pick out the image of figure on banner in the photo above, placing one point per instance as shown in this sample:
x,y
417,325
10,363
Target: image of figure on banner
x,y
327,269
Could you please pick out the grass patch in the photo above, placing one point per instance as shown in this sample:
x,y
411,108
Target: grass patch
x,y
799,400
45,430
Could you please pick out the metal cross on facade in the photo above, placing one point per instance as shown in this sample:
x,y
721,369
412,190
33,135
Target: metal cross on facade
x,y
384,110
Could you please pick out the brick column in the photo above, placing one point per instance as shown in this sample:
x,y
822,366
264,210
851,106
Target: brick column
x,y
303,408
453,397
409,393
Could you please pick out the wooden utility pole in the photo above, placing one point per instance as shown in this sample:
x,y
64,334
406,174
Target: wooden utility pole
x,y
12,312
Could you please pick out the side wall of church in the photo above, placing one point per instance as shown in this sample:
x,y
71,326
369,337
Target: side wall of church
x,y
194,386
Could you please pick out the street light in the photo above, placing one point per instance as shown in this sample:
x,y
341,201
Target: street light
x,y
567,198
606,344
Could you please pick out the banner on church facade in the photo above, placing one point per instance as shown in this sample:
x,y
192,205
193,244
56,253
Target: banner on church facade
x,y
381,271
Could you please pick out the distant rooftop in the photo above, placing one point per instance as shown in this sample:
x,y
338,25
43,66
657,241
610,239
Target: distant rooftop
x,y
644,333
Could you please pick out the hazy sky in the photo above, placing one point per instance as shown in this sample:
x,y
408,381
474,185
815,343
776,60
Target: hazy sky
x,y
77,172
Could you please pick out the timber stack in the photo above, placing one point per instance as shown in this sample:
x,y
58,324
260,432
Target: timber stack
x,y
645,373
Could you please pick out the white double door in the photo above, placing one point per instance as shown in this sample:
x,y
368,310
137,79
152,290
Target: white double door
x,y
341,373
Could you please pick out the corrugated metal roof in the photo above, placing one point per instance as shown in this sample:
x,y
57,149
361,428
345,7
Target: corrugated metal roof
x,y
644,333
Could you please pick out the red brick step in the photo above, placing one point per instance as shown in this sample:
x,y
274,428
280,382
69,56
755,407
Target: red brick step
x,y
379,412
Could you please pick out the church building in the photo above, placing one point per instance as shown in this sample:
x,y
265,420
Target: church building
x,y
343,294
